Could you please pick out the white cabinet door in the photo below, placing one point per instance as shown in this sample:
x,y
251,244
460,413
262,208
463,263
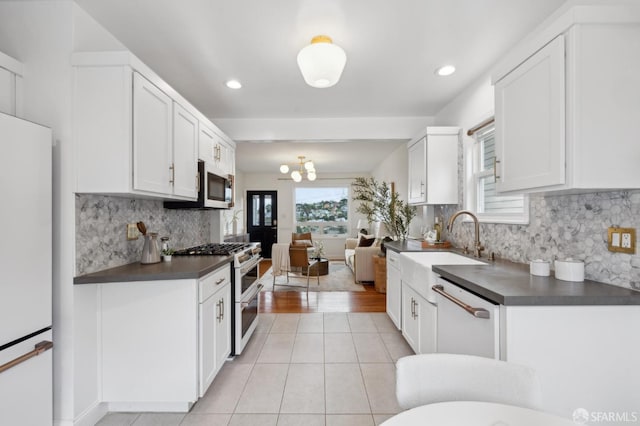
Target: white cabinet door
x,y
418,172
442,165
223,325
206,144
394,289
185,143
152,137
410,317
207,349
428,319
530,122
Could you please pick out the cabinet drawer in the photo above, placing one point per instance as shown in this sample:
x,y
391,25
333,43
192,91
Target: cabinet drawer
x,y
393,259
212,282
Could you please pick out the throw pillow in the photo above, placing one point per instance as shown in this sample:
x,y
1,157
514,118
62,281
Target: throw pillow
x,y
305,243
365,242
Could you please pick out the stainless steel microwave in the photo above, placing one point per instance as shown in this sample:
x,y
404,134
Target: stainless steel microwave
x,y
215,190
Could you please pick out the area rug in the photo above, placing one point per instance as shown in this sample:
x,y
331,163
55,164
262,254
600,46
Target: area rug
x,y
340,278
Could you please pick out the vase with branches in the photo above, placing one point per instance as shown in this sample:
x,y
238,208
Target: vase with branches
x,y
380,202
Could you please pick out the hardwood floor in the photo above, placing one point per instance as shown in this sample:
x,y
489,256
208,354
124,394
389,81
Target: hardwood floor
x,y
328,301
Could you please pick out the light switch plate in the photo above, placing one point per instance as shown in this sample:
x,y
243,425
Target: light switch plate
x,y
622,240
132,231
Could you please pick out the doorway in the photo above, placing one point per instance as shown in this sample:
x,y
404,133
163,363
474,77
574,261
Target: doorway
x,y
262,219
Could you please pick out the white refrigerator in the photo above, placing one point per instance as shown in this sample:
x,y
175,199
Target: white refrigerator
x,y
26,390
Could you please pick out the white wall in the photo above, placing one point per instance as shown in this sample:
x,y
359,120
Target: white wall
x,y
42,35
334,246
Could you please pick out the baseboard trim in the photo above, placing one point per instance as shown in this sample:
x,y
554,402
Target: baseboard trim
x,y
91,415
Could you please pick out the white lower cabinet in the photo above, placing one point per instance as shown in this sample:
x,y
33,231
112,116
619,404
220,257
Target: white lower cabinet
x,y
411,317
394,289
160,346
215,327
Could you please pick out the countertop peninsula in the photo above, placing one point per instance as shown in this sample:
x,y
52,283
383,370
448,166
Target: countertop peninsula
x,y
510,284
180,267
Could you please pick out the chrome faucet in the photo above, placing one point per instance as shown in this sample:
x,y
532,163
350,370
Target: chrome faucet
x,y
478,247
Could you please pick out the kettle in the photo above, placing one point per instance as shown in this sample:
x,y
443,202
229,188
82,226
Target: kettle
x,y
150,252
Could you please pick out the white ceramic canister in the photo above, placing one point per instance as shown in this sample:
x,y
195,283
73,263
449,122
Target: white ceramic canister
x,y
540,267
569,270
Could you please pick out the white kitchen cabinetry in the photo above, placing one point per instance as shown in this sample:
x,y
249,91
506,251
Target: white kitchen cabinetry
x,y
152,142
411,303
163,342
579,354
566,102
185,145
433,167
216,150
10,86
133,134
215,325
394,288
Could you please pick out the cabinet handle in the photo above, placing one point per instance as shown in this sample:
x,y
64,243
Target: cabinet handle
x,y
173,173
220,281
476,312
495,162
413,312
38,349
218,310
421,189
221,309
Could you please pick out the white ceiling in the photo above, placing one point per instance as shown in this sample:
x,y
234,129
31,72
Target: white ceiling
x,y
393,48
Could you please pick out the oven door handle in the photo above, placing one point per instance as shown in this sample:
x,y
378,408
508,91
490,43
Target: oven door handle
x,y
250,298
246,268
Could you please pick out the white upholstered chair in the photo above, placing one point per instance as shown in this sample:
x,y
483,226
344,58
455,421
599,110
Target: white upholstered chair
x,y
430,378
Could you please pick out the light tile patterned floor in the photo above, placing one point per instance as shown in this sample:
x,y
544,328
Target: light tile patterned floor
x,y
316,369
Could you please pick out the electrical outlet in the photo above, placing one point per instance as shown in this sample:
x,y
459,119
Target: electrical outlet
x,y
132,231
622,240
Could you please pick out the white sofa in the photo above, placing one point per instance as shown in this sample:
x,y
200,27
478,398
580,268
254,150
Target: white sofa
x,y
360,259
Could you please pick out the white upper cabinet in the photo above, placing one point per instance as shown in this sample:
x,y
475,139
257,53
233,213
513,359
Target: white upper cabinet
x,y
433,167
531,97
185,146
133,134
10,86
216,150
152,142
567,100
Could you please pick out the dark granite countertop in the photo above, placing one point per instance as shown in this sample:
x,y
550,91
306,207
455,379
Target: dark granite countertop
x,y
510,284
180,267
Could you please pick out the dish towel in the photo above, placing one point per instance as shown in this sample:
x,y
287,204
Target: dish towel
x,y
280,258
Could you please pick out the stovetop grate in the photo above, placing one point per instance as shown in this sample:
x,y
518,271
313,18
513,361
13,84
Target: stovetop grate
x,y
220,249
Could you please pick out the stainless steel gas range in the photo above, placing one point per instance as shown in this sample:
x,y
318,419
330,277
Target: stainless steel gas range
x,y
245,286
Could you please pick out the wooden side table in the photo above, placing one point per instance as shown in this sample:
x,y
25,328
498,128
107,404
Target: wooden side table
x,y
380,273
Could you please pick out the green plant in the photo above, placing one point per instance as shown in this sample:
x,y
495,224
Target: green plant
x,y
168,252
379,202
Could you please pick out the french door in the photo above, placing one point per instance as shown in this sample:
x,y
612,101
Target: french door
x,y
262,219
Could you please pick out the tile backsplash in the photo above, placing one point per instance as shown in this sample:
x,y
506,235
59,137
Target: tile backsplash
x,y
101,229
565,226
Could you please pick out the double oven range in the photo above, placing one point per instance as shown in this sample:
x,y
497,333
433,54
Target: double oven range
x,y
245,288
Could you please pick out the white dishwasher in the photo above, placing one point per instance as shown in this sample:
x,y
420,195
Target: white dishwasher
x,y
467,324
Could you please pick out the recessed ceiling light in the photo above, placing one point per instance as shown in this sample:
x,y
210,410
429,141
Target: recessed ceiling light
x,y
445,70
233,84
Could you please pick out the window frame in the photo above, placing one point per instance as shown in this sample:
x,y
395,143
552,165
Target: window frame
x,y
473,175
322,225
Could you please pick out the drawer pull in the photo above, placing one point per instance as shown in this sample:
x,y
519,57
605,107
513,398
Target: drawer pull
x,y
476,312
220,281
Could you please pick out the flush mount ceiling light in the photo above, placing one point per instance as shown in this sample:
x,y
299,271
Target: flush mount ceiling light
x,y
303,167
445,70
321,62
233,84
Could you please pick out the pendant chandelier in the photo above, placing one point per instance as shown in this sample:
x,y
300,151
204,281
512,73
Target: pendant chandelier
x,y
321,62
303,167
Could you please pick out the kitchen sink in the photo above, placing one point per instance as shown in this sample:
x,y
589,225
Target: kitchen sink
x,y
417,273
